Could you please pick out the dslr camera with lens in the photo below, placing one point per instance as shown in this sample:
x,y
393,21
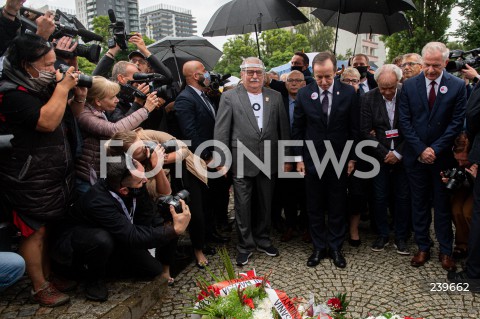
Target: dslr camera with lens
x,y
83,80
169,146
217,80
164,202
456,176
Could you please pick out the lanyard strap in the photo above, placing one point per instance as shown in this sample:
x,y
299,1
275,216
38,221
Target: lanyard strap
x,y
125,210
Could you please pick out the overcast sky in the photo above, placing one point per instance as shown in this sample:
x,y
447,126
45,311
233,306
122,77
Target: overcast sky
x,y
202,10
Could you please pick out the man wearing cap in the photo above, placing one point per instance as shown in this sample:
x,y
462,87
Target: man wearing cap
x,y
142,58
250,121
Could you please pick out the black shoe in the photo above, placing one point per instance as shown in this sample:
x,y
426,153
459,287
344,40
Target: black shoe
x,y
459,254
242,258
338,259
217,238
402,248
96,290
208,250
270,251
315,257
462,278
354,242
379,244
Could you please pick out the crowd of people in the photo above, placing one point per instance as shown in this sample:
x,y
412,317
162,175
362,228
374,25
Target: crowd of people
x,y
99,173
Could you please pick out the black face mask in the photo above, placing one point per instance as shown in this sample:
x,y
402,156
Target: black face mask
x,y
134,192
363,71
296,68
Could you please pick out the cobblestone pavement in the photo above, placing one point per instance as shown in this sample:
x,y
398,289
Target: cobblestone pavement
x,y
374,281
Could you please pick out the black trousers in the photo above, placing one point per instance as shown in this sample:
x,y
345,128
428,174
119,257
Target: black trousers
x,y
473,261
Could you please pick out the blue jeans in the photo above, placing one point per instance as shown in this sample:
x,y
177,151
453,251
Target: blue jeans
x,y
12,267
392,180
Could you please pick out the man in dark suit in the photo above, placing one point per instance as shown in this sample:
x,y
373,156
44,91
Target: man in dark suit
x,y
195,115
378,114
431,115
471,271
367,81
326,114
252,119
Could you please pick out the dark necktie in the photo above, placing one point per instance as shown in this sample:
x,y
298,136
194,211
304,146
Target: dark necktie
x,y
325,103
431,95
362,90
207,102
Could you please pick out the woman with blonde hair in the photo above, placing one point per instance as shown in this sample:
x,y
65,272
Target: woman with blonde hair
x,y
193,178
93,123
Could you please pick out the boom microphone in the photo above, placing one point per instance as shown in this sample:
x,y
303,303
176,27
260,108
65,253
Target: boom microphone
x,y
111,16
148,76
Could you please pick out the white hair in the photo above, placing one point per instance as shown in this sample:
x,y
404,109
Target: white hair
x,y
432,47
252,62
388,68
416,56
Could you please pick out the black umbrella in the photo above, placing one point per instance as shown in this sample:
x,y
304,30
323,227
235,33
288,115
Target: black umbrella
x,y
387,7
363,22
175,51
246,16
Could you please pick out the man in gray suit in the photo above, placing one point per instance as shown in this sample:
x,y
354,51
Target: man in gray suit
x,y
250,121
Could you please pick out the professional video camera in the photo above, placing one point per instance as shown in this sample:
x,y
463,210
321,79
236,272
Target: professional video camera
x,y
69,26
461,58
164,87
164,202
119,34
217,80
169,146
83,80
456,176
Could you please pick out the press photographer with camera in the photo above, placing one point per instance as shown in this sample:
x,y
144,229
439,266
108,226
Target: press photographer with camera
x,y
36,179
460,181
10,23
192,179
93,123
101,235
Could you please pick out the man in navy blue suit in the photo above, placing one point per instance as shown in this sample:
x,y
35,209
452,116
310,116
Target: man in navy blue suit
x,y
326,112
431,115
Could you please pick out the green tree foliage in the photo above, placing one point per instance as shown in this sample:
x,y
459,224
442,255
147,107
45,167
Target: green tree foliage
x,y
429,23
318,36
85,66
241,46
276,48
469,29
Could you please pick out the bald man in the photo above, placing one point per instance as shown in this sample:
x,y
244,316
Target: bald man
x,y
195,115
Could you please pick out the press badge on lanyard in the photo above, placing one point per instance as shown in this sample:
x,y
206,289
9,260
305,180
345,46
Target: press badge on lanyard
x,y
391,133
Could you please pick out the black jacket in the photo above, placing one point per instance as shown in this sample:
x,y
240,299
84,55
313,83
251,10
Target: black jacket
x,y
98,208
9,30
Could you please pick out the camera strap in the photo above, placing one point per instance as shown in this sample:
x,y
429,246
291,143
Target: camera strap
x,y
125,210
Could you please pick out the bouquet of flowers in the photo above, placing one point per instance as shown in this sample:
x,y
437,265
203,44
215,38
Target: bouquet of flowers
x,y
248,296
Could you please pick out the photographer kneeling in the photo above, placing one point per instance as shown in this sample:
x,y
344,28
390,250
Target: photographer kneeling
x,y
36,179
460,181
101,237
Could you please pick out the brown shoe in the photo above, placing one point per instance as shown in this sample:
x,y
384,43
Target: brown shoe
x,y
420,258
447,262
49,296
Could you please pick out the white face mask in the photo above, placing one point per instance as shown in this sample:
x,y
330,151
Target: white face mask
x,y
44,78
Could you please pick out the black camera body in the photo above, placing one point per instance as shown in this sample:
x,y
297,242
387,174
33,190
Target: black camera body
x,y
164,87
217,80
164,202
169,146
83,80
118,31
461,58
456,176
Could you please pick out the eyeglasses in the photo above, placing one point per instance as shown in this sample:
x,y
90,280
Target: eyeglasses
x,y
350,81
295,80
252,72
410,64
139,60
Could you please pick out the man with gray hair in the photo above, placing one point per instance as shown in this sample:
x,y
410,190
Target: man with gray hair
x,y
431,115
250,121
411,65
378,114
